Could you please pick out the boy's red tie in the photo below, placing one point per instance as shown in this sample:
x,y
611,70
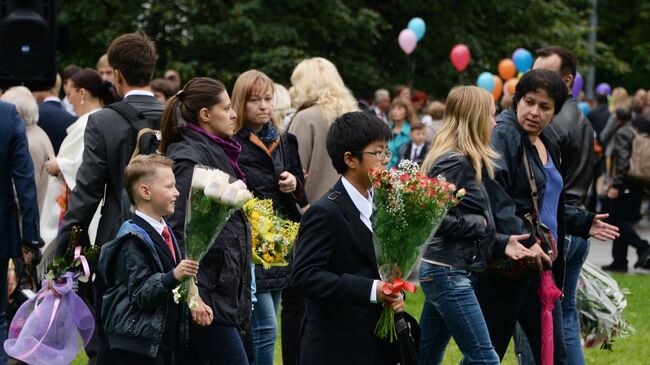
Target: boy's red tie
x,y
168,240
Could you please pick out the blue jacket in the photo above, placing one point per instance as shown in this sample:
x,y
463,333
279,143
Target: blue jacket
x,y
54,120
16,168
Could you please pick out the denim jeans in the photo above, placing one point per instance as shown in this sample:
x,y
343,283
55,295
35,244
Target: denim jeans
x,y
576,253
451,309
265,325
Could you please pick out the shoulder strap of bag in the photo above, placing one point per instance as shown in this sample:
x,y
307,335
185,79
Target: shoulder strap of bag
x,y
532,182
138,123
283,154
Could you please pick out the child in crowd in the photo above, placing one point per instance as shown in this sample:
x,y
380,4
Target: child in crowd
x,y
141,268
335,265
415,150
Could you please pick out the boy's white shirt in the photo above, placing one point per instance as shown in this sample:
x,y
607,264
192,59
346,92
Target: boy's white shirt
x,y
364,205
157,225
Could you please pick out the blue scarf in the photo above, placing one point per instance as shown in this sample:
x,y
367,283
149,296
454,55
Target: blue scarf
x,y
268,134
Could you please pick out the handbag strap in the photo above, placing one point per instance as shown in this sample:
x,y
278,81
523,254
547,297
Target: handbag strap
x,y
533,184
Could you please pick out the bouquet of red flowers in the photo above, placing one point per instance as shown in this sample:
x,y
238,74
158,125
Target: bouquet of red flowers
x,y
409,207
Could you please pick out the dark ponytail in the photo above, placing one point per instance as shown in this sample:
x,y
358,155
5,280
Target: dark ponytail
x,y
198,93
91,81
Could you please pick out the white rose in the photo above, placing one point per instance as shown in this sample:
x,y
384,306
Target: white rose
x,y
242,197
219,175
216,187
229,195
201,177
240,185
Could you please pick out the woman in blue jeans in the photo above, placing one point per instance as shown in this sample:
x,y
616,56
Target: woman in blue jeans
x,y
463,243
269,159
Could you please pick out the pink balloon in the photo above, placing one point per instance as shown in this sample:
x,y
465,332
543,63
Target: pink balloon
x,y
407,40
460,57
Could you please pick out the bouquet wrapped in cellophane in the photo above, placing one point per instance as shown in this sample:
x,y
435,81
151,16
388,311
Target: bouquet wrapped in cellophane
x,y
210,203
600,305
272,235
409,207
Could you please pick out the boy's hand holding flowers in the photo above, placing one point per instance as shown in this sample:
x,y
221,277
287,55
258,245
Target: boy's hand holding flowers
x,y
186,269
393,300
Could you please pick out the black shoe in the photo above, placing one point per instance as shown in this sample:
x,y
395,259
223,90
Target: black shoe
x,y
614,267
644,259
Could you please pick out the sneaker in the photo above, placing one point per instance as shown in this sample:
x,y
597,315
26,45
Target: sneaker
x,y
644,259
615,267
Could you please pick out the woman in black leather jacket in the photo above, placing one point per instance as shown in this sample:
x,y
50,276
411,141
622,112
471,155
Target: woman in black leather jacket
x,y
202,135
520,132
273,171
463,243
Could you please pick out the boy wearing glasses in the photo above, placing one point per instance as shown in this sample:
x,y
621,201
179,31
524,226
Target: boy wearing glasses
x,y
335,265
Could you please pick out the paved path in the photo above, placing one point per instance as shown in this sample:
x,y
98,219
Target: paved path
x,y
600,252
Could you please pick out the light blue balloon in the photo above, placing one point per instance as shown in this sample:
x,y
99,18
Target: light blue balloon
x,y
418,26
523,60
486,81
584,107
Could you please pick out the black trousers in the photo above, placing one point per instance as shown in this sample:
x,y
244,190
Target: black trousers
x,y
293,313
131,358
504,302
624,211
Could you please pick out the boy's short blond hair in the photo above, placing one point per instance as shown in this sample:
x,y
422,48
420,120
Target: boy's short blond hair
x,y
142,167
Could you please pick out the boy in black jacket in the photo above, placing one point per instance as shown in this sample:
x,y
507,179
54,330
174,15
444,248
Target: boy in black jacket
x,y
141,268
335,264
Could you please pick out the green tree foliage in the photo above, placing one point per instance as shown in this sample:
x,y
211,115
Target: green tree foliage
x,y
220,38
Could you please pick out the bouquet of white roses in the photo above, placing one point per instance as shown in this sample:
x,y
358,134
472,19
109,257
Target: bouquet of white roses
x,y
210,203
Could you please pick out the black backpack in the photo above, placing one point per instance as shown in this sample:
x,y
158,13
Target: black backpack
x,y
146,138
146,130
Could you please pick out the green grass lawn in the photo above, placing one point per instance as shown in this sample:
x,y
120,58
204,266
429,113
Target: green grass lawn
x,y
632,350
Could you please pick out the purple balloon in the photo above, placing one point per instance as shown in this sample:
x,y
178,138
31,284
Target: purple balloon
x,y
603,88
578,83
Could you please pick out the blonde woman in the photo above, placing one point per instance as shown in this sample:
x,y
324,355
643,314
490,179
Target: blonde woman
x,y
620,99
40,147
270,161
319,94
283,112
460,153
401,114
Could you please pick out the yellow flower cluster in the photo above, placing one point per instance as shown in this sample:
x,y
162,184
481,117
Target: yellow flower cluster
x,y
272,236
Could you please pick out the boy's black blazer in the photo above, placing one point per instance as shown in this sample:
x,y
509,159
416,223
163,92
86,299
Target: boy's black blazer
x,y
335,267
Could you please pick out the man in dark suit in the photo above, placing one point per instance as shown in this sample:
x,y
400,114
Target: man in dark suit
x,y
52,117
335,265
109,142
16,172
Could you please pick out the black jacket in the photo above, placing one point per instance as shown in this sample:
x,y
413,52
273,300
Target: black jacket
x,y
466,234
575,137
138,312
598,118
54,120
622,149
108,144
510,194
262,176
335,267
225,274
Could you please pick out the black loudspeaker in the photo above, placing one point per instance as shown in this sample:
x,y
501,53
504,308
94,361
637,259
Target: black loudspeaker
x,y
28,43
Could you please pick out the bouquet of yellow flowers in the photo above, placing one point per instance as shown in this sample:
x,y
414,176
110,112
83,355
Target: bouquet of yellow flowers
x,y
272,236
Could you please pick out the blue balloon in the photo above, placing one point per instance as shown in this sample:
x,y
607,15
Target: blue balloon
x,y
486,81
523,60
584,107
418,26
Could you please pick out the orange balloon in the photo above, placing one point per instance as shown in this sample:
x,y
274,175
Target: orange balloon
x,y
507,69
511,85
498,87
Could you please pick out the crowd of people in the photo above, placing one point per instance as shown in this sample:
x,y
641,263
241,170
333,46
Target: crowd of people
x,y
115,157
